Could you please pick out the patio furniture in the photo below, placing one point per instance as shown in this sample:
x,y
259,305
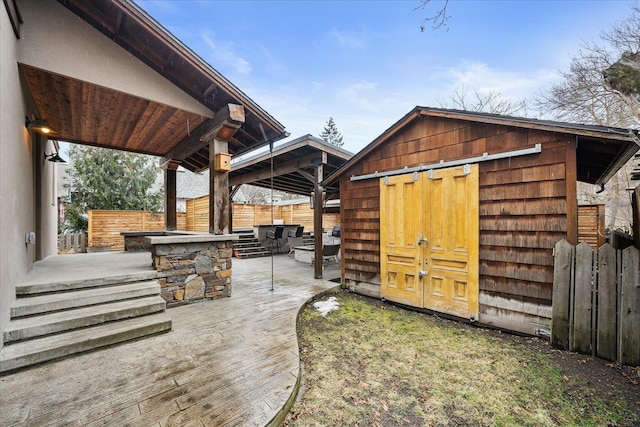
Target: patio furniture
x,y
293,243
330,252
275,236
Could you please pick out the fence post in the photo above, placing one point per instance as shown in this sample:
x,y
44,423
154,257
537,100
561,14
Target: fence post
x,y
583,300
629,313
606,342
562,270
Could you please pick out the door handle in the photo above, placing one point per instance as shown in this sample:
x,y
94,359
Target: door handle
x,y
422,240
422,273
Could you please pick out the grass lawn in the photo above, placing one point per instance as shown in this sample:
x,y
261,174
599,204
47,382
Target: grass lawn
x,y
370,363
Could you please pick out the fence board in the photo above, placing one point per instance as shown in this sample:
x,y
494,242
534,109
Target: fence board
x,y
630,308
607,301
561,294
105,226
245,216
582,300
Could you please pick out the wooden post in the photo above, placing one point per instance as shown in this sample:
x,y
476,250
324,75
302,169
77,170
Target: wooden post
x,y
563,258
317,220
220,131
606,330
571,177
629,313
583,300
218,190
170,195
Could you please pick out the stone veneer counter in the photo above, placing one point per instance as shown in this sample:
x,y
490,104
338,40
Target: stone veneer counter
x,y
192,266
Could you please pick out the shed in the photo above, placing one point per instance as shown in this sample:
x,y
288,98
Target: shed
x,y
458,212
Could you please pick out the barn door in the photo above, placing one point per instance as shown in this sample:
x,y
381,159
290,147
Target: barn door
x,y
400,223
429,240
451,253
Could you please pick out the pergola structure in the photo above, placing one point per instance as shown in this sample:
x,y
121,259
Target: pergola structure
x,y
297,167
206,121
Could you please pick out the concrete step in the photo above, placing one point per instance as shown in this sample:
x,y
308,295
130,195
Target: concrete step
x,y
27,288
247,245
252,254
26,353
47,303
46,324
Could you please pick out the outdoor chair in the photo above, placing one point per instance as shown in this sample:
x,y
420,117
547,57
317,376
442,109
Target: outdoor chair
x,y
293,242
275,236
330,252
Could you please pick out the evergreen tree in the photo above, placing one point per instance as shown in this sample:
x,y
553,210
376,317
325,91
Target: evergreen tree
x,y
331,134
108,179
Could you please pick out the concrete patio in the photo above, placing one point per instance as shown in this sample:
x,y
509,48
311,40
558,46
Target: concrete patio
x,y
231,361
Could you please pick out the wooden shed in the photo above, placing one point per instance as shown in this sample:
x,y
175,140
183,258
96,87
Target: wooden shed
x,y
458,212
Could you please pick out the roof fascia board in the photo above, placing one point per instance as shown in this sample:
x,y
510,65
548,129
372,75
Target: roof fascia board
x,y
144,19
609,135
410,116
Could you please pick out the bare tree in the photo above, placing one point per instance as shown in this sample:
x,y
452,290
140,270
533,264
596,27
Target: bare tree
x,y
593,91
492,102
439,19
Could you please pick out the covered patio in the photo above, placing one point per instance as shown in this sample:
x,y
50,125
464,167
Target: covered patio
x,y
233,361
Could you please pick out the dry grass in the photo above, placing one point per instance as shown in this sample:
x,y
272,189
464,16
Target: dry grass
x,y
370,363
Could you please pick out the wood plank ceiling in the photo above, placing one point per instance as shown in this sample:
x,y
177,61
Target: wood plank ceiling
x,y
89,114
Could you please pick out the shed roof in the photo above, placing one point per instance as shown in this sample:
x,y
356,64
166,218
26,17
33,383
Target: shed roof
x,y
293,165
601,152
141,125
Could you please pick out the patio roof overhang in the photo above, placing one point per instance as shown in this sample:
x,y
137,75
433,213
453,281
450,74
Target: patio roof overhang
x,y
92,114
294,165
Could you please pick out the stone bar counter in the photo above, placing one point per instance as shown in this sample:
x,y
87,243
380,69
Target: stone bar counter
x,y
192,266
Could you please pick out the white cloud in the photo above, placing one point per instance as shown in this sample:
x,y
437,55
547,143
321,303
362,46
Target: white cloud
x,y
223,53
347,40
479,76
367,95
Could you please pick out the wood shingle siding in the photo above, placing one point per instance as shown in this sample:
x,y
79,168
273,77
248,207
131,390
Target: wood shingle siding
x,y
527,201
522,207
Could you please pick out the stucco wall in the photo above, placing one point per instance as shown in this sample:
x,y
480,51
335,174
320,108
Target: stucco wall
x,y
57,40
17,205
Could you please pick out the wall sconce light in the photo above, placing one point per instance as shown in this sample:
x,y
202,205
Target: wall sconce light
x,y
54,157
39,125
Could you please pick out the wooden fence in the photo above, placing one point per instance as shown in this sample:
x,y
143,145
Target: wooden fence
x,y
72,243
245,216
596,301
105,226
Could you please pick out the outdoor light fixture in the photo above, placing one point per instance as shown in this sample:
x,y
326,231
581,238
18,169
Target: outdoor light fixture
x,y
54,157
38,125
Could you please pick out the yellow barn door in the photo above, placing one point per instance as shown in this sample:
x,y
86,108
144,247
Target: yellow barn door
x,y
451,255
429,240
400,222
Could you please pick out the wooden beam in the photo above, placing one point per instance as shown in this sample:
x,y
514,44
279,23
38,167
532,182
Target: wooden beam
x,y
170,197
317,222
218,190
571,182
282,169
223,126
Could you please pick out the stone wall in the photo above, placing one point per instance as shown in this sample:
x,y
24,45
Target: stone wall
x,y
193,271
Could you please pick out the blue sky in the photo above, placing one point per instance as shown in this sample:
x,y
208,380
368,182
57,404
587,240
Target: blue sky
x,y
366,63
